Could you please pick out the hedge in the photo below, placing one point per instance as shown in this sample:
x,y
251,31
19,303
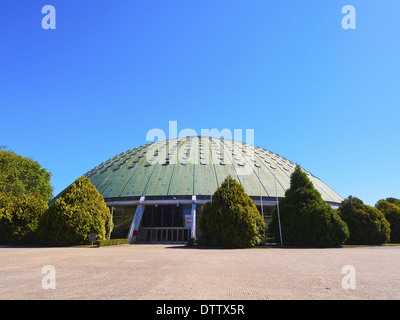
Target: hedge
x,y
111,242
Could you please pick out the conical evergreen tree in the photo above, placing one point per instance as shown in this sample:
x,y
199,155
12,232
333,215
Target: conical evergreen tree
x,y
232,218
79,211
306,219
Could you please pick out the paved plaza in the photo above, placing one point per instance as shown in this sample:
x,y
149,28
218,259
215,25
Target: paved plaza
x,y
176,272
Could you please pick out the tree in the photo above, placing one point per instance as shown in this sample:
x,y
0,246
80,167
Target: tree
x,y
391,212
232,218
367,225
80,210
306,219
20,175
393,200
24,191
19,216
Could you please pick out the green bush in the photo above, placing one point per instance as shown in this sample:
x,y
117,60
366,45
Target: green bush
x,y
367,225
393,200
231,219
392,215
111,242
306,219
24,189
79,211
19,216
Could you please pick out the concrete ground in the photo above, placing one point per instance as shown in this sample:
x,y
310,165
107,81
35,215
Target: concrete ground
x,y
177,272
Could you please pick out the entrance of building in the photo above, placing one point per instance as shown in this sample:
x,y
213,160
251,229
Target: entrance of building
x,y
166,235
165,224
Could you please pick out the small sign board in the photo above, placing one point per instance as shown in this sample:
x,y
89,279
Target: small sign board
x,y
188,221
92,237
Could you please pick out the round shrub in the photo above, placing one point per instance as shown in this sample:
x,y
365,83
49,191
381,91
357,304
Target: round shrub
x,y
367,225
392,215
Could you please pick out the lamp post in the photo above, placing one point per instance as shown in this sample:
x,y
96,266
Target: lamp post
x,y
277,204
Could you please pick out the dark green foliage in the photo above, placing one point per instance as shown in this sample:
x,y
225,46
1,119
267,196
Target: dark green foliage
x,y
391,212
231,219
367,225
306,219
79,211
19,216
19,175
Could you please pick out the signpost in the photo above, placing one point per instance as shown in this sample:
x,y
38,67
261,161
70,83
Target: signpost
x,y
92,237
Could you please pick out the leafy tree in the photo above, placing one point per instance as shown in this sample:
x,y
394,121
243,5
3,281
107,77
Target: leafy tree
x,y
232,218
306,219
392,215
80,210
24,189
19,216
20,175
393,200
367,225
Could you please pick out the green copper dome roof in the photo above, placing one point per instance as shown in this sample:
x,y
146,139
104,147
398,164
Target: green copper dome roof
x,y
196,166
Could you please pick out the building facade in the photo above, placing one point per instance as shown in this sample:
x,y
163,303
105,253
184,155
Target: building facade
x,y
156,191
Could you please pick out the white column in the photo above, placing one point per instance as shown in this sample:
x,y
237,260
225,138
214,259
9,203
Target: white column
x,y
136,221
193,226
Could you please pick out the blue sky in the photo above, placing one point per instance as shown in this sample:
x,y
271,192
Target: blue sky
x,y
322,96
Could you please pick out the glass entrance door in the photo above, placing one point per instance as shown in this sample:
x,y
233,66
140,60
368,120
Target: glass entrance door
x,y
164,224
166,235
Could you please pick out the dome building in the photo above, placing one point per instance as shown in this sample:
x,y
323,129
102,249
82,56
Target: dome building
x,y
156,191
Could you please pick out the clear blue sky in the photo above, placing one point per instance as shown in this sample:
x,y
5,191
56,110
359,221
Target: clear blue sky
x,y
323,97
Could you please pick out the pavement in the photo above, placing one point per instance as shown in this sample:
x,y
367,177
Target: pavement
x,y
175,272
